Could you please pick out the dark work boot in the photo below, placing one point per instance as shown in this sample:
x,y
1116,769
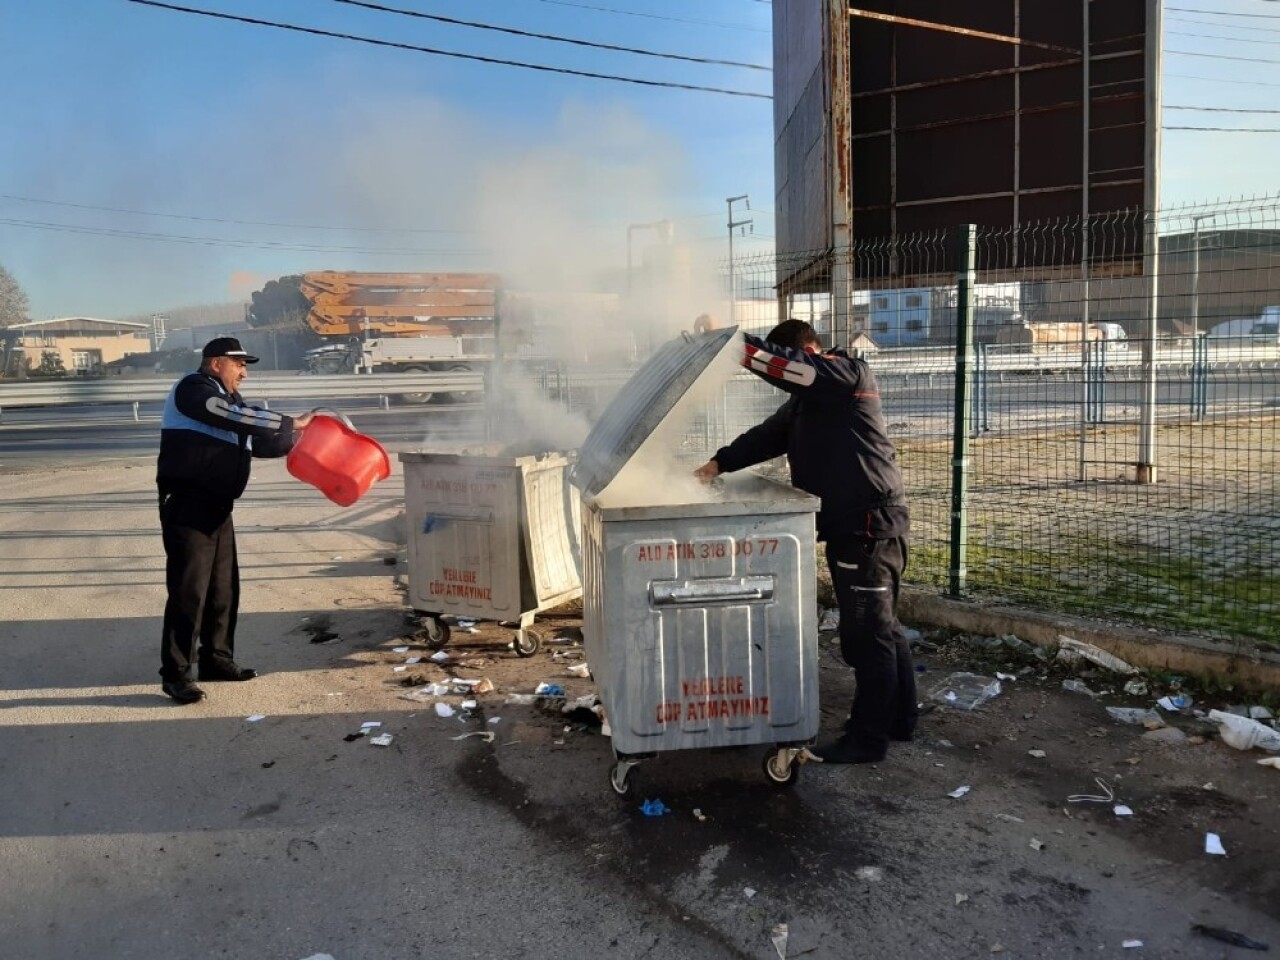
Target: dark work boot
x,y
183,691
848,750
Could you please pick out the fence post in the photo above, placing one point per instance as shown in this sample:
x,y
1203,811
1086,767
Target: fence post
x,y
964,244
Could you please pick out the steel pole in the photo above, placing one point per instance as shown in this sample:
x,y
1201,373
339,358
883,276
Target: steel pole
x,y
965,246
1145,468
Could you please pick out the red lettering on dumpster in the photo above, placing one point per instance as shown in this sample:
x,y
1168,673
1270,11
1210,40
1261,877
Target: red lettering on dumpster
x,y
712,698
707,549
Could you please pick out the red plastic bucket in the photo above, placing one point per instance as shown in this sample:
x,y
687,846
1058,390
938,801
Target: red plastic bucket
x,y
338,460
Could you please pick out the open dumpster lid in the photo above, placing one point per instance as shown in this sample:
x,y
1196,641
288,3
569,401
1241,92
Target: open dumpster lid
x,y
642,404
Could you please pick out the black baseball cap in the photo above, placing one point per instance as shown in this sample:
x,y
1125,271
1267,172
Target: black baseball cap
x,y
226,347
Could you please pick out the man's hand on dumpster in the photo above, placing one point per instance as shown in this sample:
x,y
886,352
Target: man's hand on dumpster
x,y
707,472
301,420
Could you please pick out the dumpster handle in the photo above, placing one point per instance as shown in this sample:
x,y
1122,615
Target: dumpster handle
x,y
711,590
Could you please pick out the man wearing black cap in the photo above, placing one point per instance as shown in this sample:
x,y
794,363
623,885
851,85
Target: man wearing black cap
x,y
207,437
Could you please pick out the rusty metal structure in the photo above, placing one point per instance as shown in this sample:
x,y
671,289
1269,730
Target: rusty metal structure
x,y
901,117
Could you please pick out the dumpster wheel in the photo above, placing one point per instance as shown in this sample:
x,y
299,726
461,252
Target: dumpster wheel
x,y
527,642
619,780
780,766
435,631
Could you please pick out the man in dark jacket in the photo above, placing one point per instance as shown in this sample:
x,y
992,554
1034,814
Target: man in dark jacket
x,y
208,436
833,433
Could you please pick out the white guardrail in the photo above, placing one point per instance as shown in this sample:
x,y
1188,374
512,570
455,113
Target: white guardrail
x,y
263,387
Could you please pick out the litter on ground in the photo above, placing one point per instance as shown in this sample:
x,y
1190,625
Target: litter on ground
x,y
959,792
654,808
1213,845
485,735
1069,650
444,710
382,740
965,691
779,937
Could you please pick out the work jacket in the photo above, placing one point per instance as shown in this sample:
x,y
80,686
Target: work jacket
x,y
208,437
833,433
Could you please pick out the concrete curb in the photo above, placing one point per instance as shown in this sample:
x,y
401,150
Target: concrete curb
x,y
1245,665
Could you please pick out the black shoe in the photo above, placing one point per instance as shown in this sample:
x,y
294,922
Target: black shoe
x,y
229,670
184,691
846,750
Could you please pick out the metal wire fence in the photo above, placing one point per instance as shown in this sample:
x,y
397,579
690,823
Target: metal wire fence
x,y
1122,434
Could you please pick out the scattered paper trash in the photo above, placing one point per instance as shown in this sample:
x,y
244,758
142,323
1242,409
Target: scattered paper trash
x,y
748,892
440,656
495,720
966,691
1009,818
486,735
1038,754
382,740
1076,649
256,717
654,808
1073,685
545,689
1260,713
520,699
444,710
1122,811
1273,762
1213,845
1036,844
1229,936
370,723
959,792
961,898
399,669
699,815
870,874
1244,733
1005,676
1134,715
413,660
779,937
1131,944
1175,703
399,649
318,956
1136,688
579,670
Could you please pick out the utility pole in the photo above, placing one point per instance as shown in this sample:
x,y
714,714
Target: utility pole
x,y
734,225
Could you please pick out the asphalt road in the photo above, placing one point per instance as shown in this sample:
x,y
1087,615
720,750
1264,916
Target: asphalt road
x,y
250,826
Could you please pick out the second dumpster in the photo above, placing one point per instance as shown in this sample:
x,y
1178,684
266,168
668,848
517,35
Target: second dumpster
x,y
700,606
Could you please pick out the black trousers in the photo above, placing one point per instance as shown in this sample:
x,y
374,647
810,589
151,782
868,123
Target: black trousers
x,y
203,579
867,576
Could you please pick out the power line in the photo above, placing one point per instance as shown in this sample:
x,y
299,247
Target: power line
x,y
223,241
1228,129
1247,83
1205,36
1182,53
1223,13
446,53
654,16
1168,106
246,223
1252,28
549,36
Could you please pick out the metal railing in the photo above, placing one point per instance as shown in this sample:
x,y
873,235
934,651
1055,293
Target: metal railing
x,y
33,393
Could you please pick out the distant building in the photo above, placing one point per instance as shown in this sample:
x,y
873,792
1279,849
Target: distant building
x,y
83,344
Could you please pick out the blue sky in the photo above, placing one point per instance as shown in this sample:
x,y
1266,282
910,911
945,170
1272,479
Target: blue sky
x,y
110,104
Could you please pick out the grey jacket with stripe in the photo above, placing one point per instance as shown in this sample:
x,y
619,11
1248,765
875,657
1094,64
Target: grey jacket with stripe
x,y
208,438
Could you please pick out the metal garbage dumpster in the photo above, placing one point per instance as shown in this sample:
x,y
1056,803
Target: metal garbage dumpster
x,y
700,606
490,538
